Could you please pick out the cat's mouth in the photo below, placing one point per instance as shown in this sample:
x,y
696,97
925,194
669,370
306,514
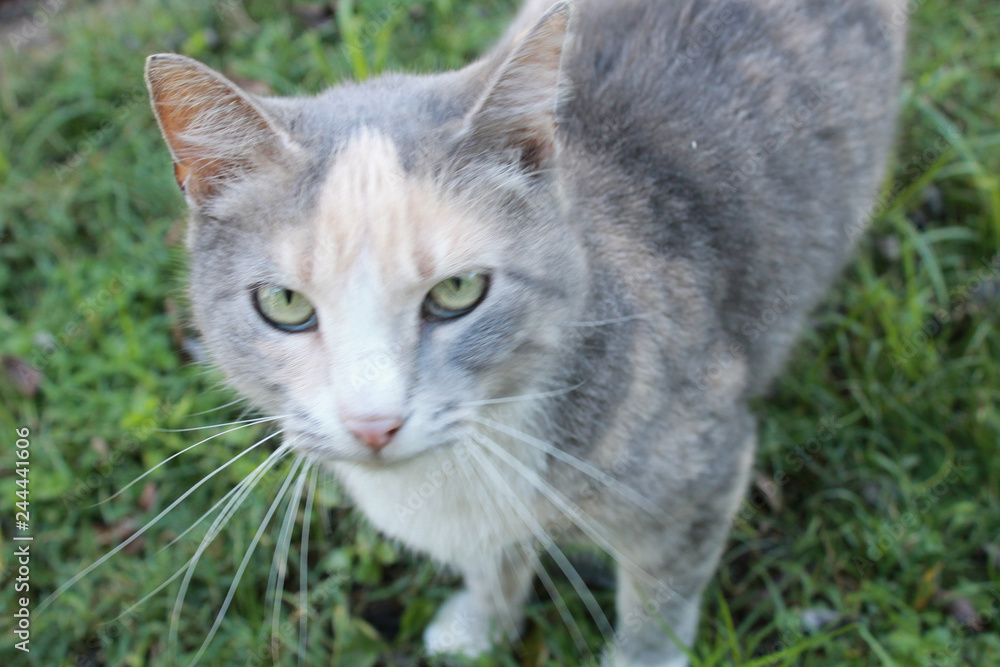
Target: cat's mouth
x,y
334,450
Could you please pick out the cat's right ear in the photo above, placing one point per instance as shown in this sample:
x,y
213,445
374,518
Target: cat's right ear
x,y
215,131
517,112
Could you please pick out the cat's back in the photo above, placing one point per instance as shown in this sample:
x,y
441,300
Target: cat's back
x,y
753,134
658,75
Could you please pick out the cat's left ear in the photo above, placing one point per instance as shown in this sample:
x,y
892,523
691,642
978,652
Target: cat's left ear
x,y
518,110
216,132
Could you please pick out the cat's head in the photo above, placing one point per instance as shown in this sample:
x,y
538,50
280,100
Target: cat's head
x,y
380,263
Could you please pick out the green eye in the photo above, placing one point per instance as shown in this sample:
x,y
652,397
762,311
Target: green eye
x,y
456,296
284,309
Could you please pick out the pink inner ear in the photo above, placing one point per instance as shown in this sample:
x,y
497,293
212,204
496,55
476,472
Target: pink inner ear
x,y
213,129
180,177
520,104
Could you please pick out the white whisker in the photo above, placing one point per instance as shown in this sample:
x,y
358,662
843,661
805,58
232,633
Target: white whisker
x,y
243,422
186,449
496,591
136,535
279,563
571,625
567,507
244,488
558,556
259,471
217,525
304,570
523,397
246,559
613,320
581,465
221,407
211,510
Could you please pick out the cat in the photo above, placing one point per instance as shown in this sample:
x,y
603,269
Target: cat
x,y
529,301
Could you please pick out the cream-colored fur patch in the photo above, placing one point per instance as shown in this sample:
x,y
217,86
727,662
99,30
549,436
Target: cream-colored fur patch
x,y
404,227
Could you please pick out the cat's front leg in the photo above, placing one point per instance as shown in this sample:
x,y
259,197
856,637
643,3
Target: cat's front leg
x,y
641,639
663,572
660,587
489,610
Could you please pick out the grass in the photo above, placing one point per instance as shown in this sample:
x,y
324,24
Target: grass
x,y
872,536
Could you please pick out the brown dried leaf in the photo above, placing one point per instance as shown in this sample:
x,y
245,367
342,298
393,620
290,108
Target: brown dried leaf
x,y
25,377
927,589
313,15
148,497
120,531
770,490
100,445
963,611
176,324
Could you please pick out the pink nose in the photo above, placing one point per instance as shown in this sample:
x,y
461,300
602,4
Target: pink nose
x,y
376,432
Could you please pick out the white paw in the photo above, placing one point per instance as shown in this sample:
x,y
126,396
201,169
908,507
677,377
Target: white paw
x,y
459,628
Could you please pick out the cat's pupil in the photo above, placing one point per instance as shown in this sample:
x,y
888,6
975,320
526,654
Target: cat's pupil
x,y
289,295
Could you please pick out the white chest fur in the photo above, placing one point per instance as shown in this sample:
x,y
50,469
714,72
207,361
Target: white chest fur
x,y
454,503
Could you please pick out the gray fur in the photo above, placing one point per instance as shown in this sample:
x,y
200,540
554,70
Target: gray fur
x,y
667,207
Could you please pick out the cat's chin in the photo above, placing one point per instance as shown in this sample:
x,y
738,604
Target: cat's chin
x,y
380,461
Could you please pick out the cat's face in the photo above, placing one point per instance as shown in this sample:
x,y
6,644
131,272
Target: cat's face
x,y
390,298
384,300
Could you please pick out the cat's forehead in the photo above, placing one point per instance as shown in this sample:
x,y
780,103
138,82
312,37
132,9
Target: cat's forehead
x,y
370,211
